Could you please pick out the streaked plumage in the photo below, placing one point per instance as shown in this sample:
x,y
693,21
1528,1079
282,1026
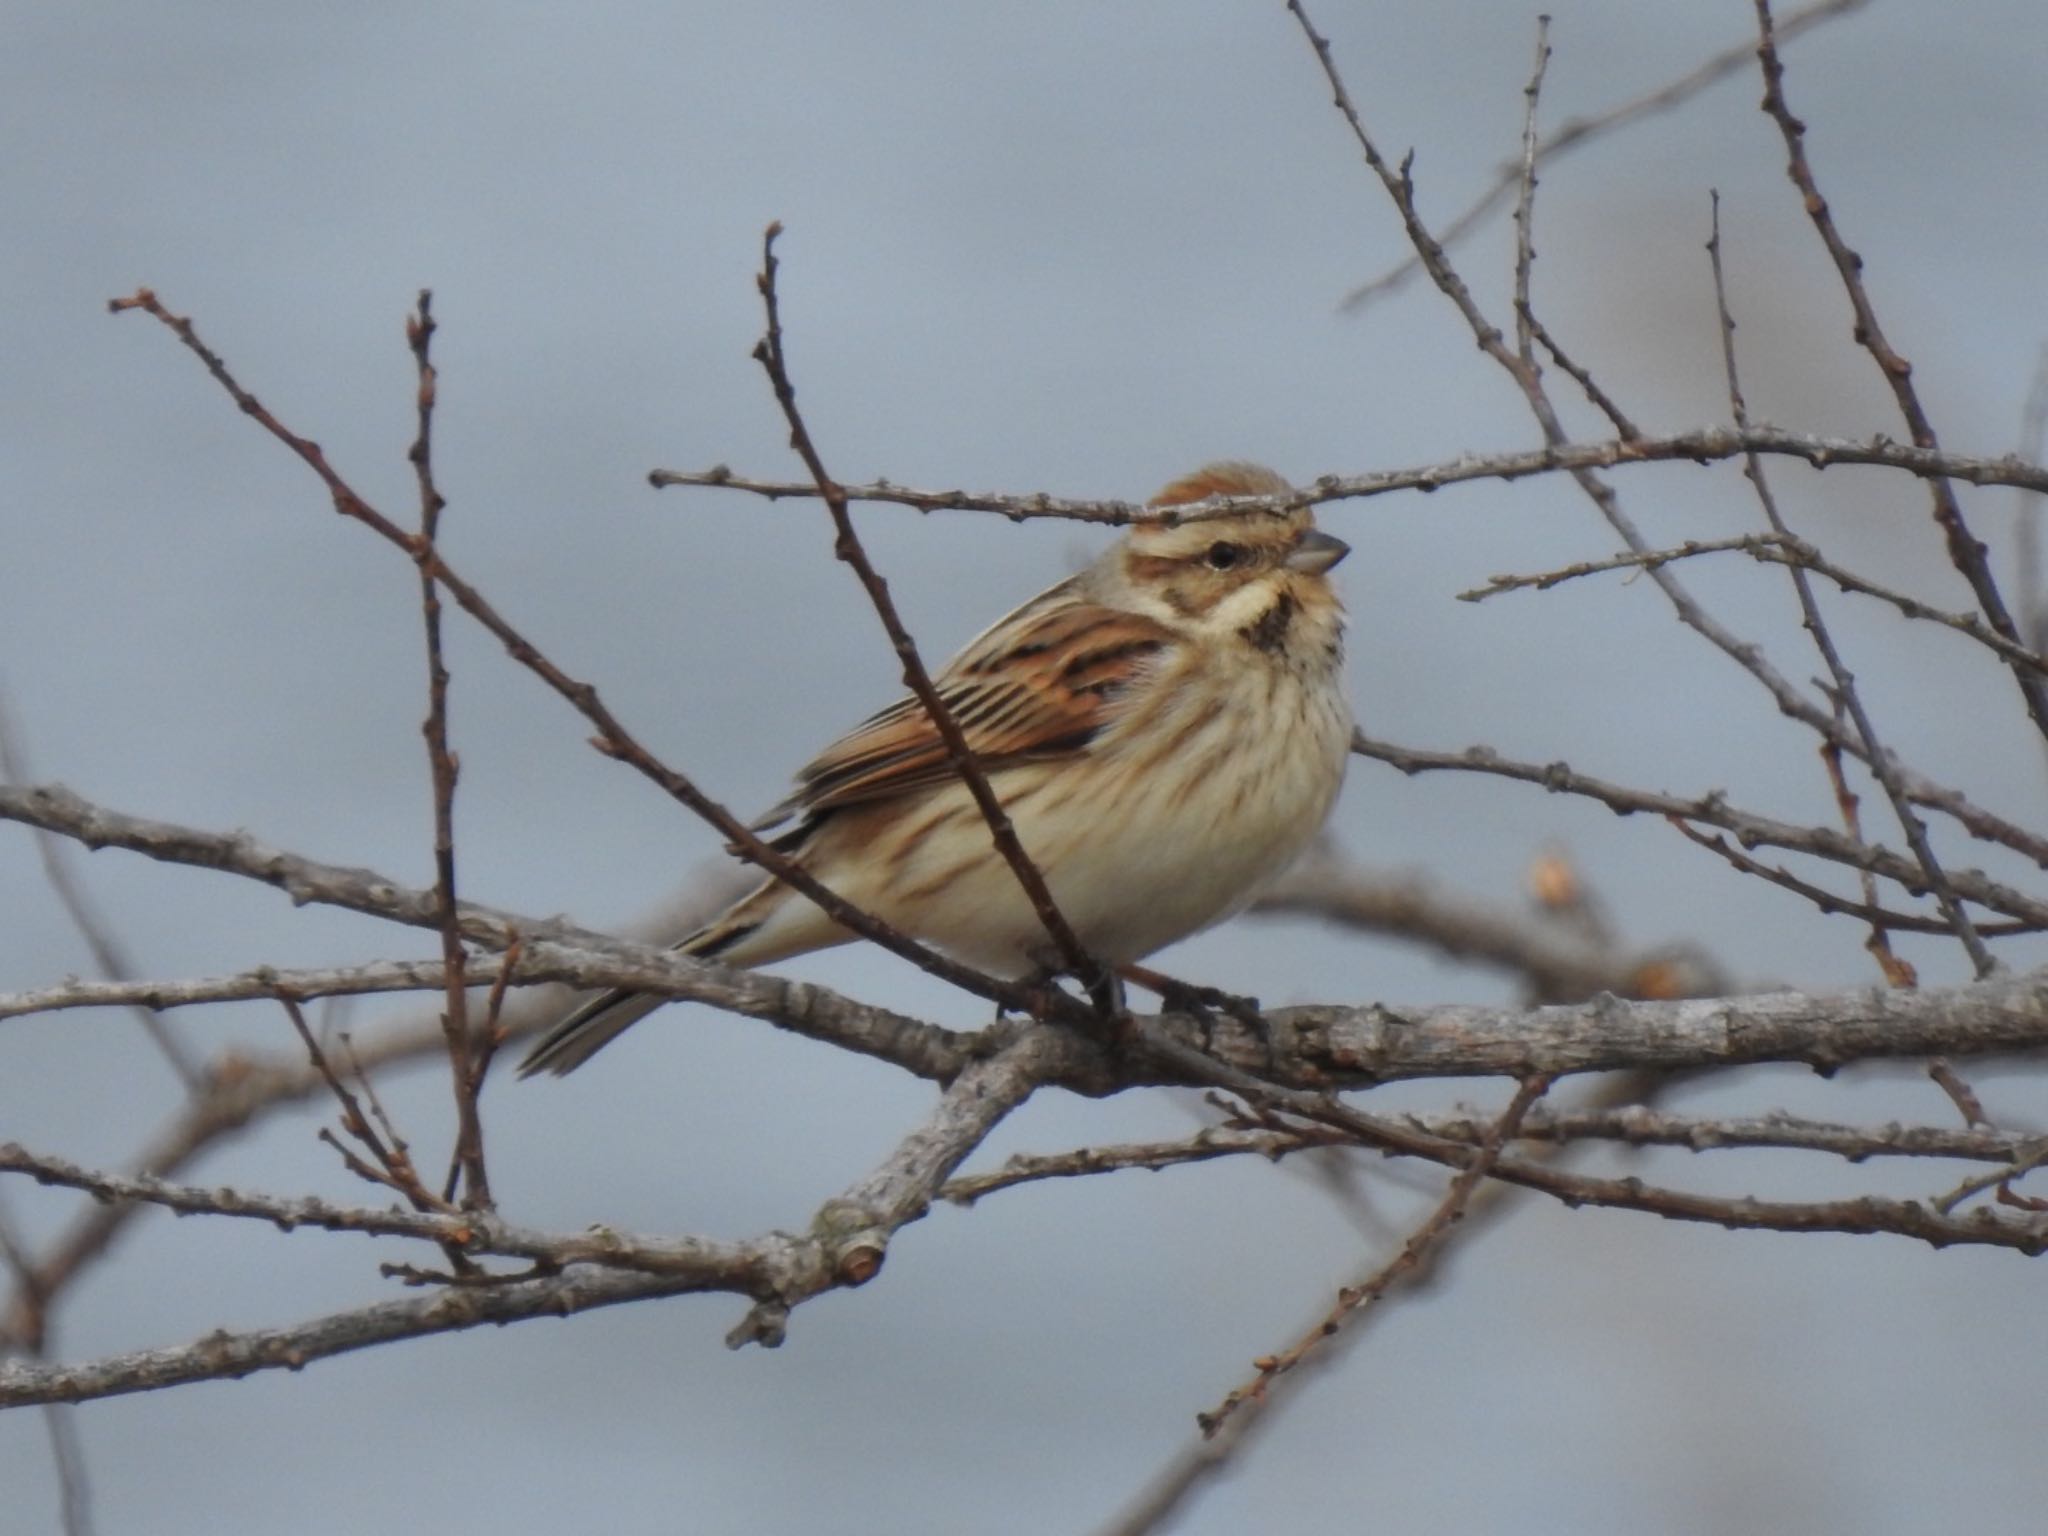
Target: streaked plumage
x,y
1166,731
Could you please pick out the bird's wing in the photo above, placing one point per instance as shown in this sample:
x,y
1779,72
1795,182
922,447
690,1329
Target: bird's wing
x,y
1037,685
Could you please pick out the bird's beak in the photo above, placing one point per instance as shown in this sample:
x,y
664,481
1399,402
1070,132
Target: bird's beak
x,y
1316,552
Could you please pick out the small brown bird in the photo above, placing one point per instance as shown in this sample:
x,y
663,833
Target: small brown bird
x,y
1166,730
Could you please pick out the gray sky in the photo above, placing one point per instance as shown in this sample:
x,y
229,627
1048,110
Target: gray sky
x,y
1060,247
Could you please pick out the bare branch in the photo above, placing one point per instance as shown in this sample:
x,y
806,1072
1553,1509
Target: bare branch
x,y
1713,810
1848,700
107,953
1965,551
466,1165
1702,445
848,547
1581,130
1559,964
1830,903
1525,202
613,739
1868,1214
1750,657
1431,1234
844,1247
1774,549
550,945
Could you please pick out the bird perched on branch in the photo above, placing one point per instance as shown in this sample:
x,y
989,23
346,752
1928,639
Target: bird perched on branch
x,y
1166,731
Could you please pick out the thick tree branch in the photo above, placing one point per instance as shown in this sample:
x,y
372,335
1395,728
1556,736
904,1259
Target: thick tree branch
x,y
844,1247
1328,1046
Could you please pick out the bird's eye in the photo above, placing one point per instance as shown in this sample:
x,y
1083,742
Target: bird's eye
x,y
1223,555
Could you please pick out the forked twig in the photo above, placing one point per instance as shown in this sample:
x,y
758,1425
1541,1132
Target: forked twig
x,y
1431,1234
613,738
1965,551
1582,130
1848,700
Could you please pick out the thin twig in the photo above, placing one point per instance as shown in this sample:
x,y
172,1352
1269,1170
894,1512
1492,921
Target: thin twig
x,y
1543,581
1432,1233
613,737
1604,403
843,1246
1581,130
1631,1125
466,1167
1771,549
1712,809
1897,972
770,354
108,956
1700,445
1525,202
394,1168
1844,692
1400,189
1828,902
67,1454
2025,1161
1965,551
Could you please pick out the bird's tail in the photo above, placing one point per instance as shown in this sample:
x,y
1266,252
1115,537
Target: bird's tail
x,y
605,1017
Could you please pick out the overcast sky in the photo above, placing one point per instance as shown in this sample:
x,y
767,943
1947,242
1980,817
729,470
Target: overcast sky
x,y
1059,247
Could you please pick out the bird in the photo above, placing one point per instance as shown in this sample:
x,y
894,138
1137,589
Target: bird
x,y
1166,730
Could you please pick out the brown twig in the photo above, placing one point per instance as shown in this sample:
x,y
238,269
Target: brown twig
x,y
1965,551
466,1167
1701,445
494,1032
772,358
1960,1093
613,737
1772,549
393,1165
2024,1161
1897,972
1630,1125
1789,699
1861,1215
1581,130
67,1454
1543,581
1712,809
1351,1299
1827,902
842,1247
1400,190
1601,401
1847,699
